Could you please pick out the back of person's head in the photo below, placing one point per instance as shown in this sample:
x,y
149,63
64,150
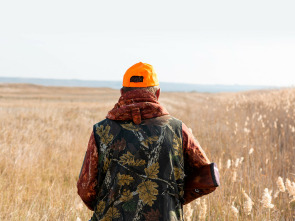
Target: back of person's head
x,y
140,76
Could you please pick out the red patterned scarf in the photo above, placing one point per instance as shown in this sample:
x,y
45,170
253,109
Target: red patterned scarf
x,y
137,105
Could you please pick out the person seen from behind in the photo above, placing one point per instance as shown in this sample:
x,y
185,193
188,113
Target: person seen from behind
x,y
139,158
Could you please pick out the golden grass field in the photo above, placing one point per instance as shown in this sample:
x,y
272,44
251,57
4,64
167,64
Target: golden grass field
x,y
44,133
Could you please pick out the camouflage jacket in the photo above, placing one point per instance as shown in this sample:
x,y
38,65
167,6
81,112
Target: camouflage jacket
x,y
135,171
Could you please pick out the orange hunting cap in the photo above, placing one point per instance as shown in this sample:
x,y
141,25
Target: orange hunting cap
x,y
140,75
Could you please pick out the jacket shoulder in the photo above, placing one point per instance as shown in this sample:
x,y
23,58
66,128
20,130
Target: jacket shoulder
x,y
175,122
103,122
110,127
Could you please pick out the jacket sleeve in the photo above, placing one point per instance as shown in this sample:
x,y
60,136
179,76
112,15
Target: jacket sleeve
x,y
87,183
194,155
194,158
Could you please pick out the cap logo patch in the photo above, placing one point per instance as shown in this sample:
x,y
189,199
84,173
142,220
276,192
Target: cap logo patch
x,y
136,79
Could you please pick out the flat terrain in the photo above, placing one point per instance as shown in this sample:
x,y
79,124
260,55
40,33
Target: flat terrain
x,y
44,133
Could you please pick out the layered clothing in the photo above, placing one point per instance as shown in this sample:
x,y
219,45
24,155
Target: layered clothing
x,y
136,161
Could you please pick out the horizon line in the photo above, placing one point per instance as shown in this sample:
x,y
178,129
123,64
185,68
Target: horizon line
x,y
165,82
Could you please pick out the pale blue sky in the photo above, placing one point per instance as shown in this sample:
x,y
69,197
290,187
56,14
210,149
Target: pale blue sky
x,y
203,42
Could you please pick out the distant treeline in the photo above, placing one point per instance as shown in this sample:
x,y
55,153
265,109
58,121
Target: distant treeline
x,y
165,86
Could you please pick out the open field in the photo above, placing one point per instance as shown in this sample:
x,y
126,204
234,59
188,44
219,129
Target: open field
x,y
44,133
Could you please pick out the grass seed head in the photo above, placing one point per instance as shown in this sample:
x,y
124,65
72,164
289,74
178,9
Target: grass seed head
x,y
248,204
234,210
290,187
266,199
280,184
234,176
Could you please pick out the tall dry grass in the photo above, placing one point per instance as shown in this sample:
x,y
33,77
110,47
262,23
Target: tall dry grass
x,y
44,133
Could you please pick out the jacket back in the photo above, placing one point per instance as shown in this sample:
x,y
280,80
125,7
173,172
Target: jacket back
x,y
141,169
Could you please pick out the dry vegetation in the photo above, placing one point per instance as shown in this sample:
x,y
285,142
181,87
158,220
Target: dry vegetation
x,y
44,133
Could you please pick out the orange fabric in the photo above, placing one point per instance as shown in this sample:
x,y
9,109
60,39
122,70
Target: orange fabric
x,y
141,69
